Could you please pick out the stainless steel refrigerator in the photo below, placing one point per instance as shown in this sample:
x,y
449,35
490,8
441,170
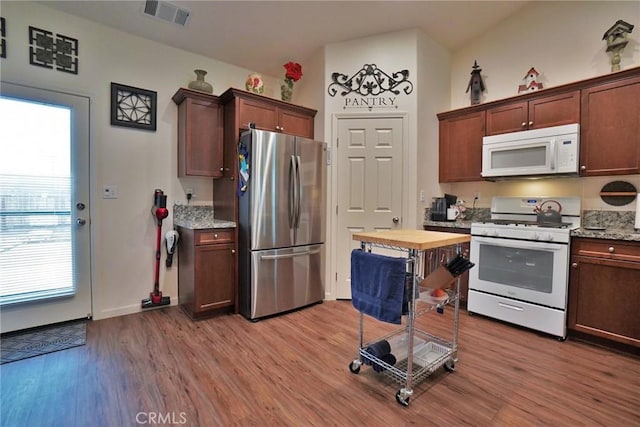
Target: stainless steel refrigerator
x,y
282,222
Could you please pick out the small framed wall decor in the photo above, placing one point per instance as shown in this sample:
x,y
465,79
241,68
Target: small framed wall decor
x,y
133,107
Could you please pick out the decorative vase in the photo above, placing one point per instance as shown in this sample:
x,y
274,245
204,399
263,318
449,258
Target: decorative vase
x,y
286,90
199,83
254,83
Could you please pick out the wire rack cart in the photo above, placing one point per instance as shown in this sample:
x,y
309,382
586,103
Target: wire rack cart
x,y
418,353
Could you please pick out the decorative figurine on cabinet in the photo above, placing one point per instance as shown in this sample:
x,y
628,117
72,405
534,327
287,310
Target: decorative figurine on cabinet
x,y
475,84
530,81
616,38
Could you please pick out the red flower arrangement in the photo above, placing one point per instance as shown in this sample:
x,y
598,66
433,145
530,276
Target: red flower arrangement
x,y
294,71
293,74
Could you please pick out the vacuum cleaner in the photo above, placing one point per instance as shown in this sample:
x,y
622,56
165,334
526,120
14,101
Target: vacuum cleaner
x,y
159,212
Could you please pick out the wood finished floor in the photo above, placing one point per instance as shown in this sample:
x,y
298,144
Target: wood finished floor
x,y
160,368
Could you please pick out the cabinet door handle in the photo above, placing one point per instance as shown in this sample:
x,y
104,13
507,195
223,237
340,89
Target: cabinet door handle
x,y
574,265
524,124
611,249
583,168
233,251
531,123
215,236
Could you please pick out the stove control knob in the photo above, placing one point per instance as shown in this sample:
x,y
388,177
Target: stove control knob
x,y
496,233
549,237
536,236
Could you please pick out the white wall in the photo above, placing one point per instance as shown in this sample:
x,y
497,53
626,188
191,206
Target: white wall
x,y
433,97
563,41
137,162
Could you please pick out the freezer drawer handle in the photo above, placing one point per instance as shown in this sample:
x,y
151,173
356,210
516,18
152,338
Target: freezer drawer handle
x,y
511,307
315,251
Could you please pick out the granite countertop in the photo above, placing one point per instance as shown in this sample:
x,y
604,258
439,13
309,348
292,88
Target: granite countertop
x,y
201,224
198,218
449,224
628,234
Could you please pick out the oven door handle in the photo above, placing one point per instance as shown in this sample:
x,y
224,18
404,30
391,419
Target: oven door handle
x,y
518,244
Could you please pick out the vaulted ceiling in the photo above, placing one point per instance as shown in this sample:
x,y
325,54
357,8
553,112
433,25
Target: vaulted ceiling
x,y
263,35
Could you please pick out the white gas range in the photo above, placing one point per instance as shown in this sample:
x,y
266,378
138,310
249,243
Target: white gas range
x,y
522,266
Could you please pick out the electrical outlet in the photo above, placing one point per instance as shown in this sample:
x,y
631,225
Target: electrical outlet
x,y
422,195
190,194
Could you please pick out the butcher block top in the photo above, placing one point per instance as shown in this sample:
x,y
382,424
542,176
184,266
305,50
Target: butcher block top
x,y
412,239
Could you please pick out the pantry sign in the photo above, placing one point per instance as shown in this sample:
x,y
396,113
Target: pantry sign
x,y
370,88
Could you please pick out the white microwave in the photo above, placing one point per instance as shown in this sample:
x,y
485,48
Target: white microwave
x,y
545,151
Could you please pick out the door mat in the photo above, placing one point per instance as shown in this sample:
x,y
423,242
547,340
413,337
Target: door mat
x,y
35,342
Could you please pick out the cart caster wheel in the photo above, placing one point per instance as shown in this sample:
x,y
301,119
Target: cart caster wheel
x,y
450,365
400,400
562,339
354,367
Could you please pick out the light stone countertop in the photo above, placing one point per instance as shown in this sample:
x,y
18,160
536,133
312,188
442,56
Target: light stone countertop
x,y
198,218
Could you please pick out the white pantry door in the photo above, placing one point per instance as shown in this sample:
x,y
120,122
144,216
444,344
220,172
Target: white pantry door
x,y
369,194
45,273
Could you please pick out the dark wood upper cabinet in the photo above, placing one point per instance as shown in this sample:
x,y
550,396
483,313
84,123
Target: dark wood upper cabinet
x,y
460,147
200,137
542,112
269,114
606,107
610,128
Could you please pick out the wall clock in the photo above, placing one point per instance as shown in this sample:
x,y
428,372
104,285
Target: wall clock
x,y
133,107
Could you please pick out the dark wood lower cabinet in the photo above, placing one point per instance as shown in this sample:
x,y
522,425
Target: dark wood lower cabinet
x,y
604,290
439,253
207,271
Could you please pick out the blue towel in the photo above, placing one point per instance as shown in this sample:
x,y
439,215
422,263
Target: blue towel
x,y
377,285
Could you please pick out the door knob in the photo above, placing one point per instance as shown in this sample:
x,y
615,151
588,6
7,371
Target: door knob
x,y
81,221
396,220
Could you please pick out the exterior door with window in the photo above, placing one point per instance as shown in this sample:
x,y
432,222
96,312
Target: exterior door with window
x,y
369,190
44,207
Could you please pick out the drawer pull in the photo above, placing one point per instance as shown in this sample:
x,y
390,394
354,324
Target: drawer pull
x,y
215,236
510,307
611,249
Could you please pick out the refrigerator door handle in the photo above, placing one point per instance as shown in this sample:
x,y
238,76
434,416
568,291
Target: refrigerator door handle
x,y
292,192
298,192
292,255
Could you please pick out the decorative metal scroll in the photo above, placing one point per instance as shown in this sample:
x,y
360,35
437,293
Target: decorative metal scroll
x,y
47,49
370,80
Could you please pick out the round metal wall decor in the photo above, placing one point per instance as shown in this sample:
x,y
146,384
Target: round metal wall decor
x,y
618,193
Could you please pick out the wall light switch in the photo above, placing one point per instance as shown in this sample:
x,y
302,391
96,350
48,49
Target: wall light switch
x,y
110,192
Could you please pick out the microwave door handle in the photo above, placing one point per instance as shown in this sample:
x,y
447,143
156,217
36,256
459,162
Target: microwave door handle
x,y
553,153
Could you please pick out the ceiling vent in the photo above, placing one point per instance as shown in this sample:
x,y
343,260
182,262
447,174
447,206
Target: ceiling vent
x,y
167,12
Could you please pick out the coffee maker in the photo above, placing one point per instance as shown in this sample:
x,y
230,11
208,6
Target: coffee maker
x,y
439,209
439,206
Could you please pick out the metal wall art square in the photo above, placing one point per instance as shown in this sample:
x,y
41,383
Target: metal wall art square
x,y
47,49
3,37
133,107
